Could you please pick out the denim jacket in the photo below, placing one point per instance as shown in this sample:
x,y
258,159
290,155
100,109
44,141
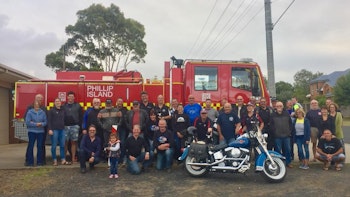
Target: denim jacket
x,y
33,117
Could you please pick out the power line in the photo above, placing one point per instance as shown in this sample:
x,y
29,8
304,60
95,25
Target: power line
x,y
230,30
213,28
238,33
222,29
200,33
283,14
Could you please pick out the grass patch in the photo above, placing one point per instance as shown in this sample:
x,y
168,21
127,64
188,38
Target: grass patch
x,y
31,177
24,180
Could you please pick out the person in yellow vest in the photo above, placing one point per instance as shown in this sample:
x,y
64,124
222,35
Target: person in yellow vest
x,y
295,105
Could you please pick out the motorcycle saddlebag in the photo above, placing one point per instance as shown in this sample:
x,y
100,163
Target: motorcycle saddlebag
x,y
198,151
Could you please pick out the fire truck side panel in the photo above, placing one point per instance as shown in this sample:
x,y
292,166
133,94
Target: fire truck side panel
x,y
153,91
128,92
103,90
25,94
177,85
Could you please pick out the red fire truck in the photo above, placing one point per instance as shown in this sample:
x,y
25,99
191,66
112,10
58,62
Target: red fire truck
x,y
202,78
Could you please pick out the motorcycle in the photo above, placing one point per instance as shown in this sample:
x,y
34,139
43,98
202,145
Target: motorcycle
x,y
203,157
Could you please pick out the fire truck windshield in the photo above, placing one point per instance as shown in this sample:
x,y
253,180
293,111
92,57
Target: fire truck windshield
x,y
246,79
206,78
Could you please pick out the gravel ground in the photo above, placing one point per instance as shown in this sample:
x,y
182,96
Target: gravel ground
x,y
68,181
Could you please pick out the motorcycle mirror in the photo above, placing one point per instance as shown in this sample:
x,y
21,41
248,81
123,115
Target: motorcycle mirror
x,y
191,130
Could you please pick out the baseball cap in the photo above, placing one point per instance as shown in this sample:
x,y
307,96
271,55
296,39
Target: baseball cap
x,y
108,101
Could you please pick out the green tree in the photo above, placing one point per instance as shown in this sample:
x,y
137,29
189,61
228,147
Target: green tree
x,y
55,60
102,39
321,100
342,90
302,83
284,91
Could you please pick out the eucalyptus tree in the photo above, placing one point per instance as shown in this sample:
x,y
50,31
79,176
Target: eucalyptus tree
x,y
102,39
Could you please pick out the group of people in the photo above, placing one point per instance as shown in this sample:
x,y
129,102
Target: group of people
x,y
155,133
320,126
62,123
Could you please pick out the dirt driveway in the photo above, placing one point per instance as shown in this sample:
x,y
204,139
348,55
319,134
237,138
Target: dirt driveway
x,y
63,181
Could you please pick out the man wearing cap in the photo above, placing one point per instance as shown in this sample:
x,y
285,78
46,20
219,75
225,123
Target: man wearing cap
x,y
250,120
273,103
108,117
136,116
145,104
203,125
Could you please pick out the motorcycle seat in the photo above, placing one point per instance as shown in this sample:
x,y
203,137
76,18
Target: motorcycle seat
x,y
217,147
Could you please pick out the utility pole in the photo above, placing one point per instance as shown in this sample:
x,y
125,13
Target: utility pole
x,y
269,50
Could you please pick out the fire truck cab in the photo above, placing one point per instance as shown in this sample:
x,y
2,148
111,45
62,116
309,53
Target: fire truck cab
x,y
223,79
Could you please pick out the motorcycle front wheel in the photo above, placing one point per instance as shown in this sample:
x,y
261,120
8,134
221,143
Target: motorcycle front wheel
x,y
274,173
193,170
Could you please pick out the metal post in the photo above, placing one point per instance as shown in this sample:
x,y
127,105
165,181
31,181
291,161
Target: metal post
x,y
269,50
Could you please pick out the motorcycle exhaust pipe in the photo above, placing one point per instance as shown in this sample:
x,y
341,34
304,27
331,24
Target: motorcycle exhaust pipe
x,y
207,164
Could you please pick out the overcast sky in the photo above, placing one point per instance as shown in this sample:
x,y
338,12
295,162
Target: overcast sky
x,y
312,35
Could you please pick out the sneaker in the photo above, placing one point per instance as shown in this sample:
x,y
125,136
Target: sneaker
x,y
111,176
116,176
306,167
301,166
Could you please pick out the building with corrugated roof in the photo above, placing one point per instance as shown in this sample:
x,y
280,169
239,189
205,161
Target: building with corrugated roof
x,y
8,78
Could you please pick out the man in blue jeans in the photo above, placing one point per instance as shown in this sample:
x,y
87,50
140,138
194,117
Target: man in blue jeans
x,y
90,149
133,146
164,143
281,126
